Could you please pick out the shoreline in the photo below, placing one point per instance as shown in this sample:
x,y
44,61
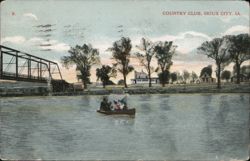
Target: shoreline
x,y
132,90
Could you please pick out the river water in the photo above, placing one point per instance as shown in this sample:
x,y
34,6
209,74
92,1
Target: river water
x,y
177,126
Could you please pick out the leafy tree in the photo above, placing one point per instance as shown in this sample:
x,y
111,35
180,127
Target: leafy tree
x,y
186,75
145,58
179,77
105,73
217,50
121,54
207,70
164,77
194,76
245,69
121,82
226,75
164,52
83,57
173,77
239,50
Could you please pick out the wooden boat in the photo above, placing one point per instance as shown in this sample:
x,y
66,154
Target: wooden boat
x,y
118,112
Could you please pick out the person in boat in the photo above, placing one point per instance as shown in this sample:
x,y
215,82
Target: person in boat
x,y
117,106
125,107
105,105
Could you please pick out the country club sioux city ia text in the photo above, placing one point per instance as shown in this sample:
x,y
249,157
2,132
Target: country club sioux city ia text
x,y
201,13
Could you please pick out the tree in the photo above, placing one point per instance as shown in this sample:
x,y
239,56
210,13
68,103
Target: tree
x,y
179,77
194,76
120,82
83,57
207,70
226,75
145,58
164,77
173,77
164,52
186,75
239,50
105,73
121,54
217,50
245,69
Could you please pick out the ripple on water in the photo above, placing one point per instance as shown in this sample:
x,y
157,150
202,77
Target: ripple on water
x,y
177,126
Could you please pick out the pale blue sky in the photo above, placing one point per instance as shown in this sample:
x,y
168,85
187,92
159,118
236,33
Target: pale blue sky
x,y
99,22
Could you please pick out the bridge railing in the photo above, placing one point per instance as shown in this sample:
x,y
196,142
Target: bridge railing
x,y
42,64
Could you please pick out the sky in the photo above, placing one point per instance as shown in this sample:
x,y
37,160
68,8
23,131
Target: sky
x,y
49,28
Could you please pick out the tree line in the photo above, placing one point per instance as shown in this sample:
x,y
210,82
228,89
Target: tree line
x,y
223,50
229,48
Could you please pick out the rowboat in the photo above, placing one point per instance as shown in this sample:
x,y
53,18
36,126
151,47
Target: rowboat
x,y
118,112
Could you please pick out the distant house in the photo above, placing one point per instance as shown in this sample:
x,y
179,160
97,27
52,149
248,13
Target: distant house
x,y
142,77
78,86
243,78
206,78
78,76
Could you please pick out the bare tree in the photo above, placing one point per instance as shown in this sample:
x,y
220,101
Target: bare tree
x,y
186,75
194,76
145,58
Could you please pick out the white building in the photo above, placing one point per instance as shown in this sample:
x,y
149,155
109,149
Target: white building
x,y
142,78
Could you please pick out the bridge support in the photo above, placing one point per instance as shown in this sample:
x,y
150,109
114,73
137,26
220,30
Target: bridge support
x,y
43,66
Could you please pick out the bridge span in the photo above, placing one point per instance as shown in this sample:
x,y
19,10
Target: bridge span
x,y
21,66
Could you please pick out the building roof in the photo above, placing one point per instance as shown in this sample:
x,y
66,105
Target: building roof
x,y
205,75
141,74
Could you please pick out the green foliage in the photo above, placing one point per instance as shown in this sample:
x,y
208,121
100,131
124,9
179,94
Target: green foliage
x,y
207,70
226,75
83,57
164,77
245,69
105,73
217,50
173,77
239,47
186,75
164,52
120,82
121,54
194,76
239,50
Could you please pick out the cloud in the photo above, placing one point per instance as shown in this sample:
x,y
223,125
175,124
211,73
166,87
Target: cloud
x,y
54,45
14,39
186,41
236,30
31,15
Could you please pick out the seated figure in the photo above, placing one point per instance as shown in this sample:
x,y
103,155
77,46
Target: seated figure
x,y
105,105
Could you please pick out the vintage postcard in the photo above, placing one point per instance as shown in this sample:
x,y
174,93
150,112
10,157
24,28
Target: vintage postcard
x,y
124,80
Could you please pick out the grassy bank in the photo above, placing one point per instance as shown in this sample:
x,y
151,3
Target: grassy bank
x,y
143,89
200,88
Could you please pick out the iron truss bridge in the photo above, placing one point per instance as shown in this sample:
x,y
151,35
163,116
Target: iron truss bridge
x,y
21,66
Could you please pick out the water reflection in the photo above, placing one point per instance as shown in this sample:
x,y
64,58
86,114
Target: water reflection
x,y
224,127
168,127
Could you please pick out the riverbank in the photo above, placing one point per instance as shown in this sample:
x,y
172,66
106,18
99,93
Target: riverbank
x,y
23,89
176,88
208,88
